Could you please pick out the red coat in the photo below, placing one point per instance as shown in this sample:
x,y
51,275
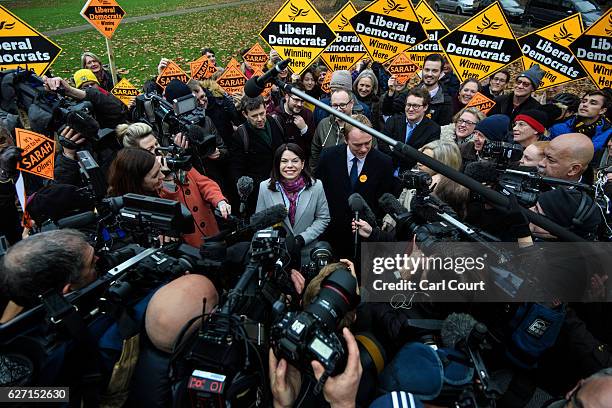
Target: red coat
x,y
198,195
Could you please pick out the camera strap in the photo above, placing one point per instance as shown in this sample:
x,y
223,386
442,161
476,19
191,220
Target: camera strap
x,y
24,119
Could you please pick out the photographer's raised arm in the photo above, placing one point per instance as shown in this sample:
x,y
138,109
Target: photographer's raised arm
x,y
56,83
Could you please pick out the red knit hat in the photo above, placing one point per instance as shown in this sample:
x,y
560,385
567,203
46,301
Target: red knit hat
x,y
534,118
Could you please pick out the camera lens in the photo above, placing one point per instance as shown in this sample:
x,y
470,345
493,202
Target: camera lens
x,y
338,295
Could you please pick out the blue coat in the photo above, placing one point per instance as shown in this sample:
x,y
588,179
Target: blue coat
x,y
602,132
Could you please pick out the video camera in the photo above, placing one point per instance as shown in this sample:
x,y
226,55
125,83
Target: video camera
x,y
47,111
502,153
167,119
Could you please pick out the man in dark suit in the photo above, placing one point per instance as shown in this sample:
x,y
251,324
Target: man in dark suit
x,y
252,146
349,168
411,127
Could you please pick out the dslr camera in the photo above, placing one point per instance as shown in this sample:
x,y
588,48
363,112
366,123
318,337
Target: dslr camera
x,y
502,153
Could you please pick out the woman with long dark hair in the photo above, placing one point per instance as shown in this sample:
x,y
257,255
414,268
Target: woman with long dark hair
x,y
292,185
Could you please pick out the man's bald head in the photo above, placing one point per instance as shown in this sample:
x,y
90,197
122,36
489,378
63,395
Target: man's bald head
x,y
567,156
174,305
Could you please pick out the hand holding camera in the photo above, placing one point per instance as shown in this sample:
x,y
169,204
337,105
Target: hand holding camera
x,y
8,162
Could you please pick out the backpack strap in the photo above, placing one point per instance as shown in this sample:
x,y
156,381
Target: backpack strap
x,y
244,135
278,124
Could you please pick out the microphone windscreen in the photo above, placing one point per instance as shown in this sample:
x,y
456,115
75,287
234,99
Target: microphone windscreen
x,y
252,88
356,202
391,205
244,186
482,171
455,328
268,217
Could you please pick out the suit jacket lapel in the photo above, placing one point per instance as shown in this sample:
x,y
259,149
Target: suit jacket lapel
x,y
346,181
277,198
303,202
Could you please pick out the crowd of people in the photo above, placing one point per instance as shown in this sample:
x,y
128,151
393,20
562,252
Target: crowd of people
x,y
311,162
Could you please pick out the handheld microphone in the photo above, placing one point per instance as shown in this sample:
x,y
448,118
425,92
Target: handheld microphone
x,y
366,212
256,85
392,206
356,204
244,186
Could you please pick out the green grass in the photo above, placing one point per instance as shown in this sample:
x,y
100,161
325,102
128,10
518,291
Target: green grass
x,y
45,15
138,47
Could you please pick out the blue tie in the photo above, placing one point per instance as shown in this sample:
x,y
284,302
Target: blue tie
x,y
354,173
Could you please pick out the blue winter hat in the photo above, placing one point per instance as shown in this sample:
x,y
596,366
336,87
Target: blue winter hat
x,y
495,127
397,399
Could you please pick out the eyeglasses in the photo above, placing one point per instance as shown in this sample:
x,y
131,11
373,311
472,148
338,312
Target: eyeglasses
x,y
465,122
524,84
341,105
498,80
413,106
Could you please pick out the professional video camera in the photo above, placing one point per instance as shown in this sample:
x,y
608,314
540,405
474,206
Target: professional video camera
x,y
224,361
502,153
176,158
416,180
167,119
301,337
47,111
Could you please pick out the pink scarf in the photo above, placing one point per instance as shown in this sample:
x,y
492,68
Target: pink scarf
x,y
292,191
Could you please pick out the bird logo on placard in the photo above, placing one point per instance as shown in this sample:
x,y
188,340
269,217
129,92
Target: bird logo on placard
x,y
393,6
564,35
486,24
7,26
609,29
343,23
296,12
424,20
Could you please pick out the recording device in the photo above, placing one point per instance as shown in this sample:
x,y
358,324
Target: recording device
x,y
256,85
356,204
91,175
525,185
244,185
320,256
176,158
168,119
502,153
48,111
416,180
301,337
260,220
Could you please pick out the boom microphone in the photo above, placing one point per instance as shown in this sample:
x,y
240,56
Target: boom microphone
x,y
482,171
255,86
77,221
260,220
391,205
456,328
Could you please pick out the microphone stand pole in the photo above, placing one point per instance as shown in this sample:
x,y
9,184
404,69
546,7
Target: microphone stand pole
x,y
405,152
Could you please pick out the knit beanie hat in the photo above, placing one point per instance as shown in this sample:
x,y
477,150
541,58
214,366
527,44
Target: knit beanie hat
x,y
341,79
176,89
561,205
533,74
84,75
534,118
495,127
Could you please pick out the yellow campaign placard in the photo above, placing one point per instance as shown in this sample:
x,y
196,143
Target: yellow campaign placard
x,y
549,48
481,102
38,155
24,47
347,50
298,31
172,71
482,45
199,68
232,80
593,49
256,57
402,68
435,29
388,27
104,15
125,91
233,63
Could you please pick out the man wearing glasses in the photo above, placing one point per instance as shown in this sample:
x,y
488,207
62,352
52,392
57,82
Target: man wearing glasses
x,y
411,127
497,85
520,99
297,121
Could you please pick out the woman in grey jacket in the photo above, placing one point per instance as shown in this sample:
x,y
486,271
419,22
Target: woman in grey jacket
x,y
292,185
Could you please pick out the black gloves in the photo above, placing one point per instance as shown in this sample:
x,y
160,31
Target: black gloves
x,y
8,162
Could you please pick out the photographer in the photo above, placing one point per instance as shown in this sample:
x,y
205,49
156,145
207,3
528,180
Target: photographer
x,y
492,128
135,170
338,391
567,157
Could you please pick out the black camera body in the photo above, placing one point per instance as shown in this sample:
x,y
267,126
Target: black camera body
x,y
320,256
176,158
502,153
416,180
526,189
312,334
